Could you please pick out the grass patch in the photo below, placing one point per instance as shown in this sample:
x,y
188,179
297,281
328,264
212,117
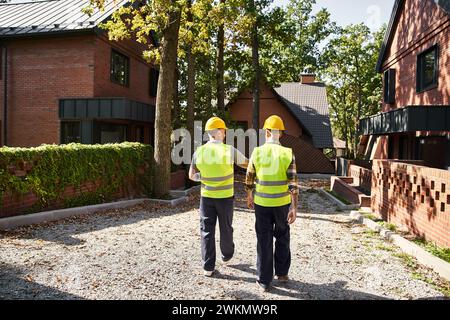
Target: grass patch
x,y
371,233
384,248
387,225
442,253
407,259
441,286
370,216
342,199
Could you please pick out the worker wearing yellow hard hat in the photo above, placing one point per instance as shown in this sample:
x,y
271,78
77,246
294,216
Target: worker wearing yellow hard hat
x,y
272,190
213,165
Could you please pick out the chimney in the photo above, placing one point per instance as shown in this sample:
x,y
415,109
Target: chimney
x,y
307,78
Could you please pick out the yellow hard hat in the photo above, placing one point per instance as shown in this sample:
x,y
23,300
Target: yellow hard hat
x,y
274,123
215,123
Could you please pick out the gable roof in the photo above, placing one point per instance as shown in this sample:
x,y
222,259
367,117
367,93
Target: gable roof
x,y
51,16
396,11
309,105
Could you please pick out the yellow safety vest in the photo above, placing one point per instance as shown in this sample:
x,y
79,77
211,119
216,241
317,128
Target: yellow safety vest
x,y
215,162
271,162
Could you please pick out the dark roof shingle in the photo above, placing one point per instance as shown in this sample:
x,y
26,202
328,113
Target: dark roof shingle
x,y
309,104
51,16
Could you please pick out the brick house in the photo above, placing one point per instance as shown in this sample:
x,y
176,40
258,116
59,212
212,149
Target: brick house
x,y
63,81
304,108
415,63
408,143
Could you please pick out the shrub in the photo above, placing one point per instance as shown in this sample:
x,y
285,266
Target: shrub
x,y
48,170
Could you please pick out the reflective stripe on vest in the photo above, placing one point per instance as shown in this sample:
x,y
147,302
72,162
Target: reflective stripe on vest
x,y
272,195
230,186
271,162
215,162
271,183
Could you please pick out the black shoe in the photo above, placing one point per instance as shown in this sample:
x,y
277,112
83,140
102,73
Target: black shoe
x,y
264,287
225,260
283,278
208,274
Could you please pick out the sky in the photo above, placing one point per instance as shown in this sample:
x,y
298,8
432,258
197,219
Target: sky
x,y
372,12
344,12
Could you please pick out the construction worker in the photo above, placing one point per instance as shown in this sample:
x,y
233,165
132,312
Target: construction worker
x,y
272,168
213,165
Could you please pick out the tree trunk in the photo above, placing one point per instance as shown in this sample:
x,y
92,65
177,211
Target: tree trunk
x,y
169,48
176,101
220,67
256,69
190,108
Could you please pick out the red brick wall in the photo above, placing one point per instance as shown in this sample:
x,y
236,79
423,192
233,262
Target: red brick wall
x,y
41,70
361,177
139,87
178,180
415,197
421,25
13,204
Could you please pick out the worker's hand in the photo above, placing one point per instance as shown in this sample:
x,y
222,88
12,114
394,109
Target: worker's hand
x,y
292,215
196,177
250,203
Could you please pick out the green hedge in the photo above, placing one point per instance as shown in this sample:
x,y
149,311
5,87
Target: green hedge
x,y
52,168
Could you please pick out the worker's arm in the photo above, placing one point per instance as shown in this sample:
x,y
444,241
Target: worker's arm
x,y
293,189
194,173
240,160
250,183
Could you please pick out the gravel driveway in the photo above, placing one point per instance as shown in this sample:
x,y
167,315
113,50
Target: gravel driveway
x,y
153,252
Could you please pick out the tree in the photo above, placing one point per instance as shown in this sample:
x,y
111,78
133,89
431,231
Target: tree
x,y
255,63
354,86
142,20
220,62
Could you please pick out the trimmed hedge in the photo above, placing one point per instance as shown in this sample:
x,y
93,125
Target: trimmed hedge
x,y
48,170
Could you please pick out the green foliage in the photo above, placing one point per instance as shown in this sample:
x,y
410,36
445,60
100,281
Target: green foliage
x,y
348,66
442,253
53,168
370,216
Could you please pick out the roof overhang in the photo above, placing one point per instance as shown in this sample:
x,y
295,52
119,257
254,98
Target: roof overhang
x,y
105,109
396,11
389,32
407,119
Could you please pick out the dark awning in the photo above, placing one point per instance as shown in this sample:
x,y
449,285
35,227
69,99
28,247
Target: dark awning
x,y
105,108
407,119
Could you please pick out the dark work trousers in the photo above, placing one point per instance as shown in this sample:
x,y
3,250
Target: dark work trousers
x,y
211,210
270,223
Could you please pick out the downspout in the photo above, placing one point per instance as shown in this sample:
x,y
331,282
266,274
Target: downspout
x,y
5,94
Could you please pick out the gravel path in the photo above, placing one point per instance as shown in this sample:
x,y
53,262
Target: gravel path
x,y
153,252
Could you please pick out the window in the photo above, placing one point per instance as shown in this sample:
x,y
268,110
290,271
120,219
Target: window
x,y
154,75
120,68
389,86
140,134
427,69
70,132
111,133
